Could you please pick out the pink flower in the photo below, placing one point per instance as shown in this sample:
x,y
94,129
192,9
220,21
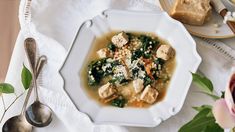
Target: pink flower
x,y
224,109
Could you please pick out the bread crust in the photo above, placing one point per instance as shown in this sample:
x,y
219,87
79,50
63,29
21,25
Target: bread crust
x,y
195,13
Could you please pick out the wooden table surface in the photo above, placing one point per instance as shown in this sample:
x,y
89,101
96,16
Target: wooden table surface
x,y
9,28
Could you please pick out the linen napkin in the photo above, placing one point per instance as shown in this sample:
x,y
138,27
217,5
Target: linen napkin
x,y
53,23
218,61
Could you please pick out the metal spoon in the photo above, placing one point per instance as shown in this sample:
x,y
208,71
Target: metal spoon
x,y
19,123
38,114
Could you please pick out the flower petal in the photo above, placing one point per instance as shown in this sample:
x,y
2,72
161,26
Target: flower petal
x,y
229,94
222,114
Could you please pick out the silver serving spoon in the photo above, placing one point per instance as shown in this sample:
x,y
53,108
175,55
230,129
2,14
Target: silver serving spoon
x,y
19,123
37,114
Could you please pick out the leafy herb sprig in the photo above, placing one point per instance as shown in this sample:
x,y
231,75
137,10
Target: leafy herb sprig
x,y
6,88
203,121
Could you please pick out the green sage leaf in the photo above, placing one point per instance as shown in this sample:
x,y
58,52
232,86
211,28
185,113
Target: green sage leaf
x,y
202,122
6,88
202,113
26,77
200,108
204,83
213,128
198,123
213,96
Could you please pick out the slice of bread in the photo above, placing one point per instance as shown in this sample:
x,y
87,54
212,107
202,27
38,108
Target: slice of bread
x,y
192,12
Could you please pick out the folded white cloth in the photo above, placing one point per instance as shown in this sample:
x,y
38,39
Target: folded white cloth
x,y
218,61
54,23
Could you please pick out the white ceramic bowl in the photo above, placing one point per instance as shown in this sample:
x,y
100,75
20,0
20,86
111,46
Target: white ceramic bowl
x,y
159,23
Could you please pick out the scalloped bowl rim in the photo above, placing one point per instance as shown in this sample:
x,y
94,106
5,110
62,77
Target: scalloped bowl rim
x,y
98,118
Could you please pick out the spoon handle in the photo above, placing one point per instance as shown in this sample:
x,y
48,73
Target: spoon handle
x,y
30,48
40,63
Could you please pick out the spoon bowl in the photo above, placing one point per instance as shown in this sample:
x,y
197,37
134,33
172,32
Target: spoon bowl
x,y
38,114
17,124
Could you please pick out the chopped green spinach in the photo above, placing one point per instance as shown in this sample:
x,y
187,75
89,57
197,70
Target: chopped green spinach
x,y
148,45
136,55
159,61
147,80
119,102
100,68
111,47
96,72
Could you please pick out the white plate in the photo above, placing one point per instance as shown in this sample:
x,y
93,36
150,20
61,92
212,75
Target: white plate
x,y
207,30
159,23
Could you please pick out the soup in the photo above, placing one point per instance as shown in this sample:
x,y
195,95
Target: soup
x,y
128,69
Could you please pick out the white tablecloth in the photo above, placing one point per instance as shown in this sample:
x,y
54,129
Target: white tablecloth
x,y
54,40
